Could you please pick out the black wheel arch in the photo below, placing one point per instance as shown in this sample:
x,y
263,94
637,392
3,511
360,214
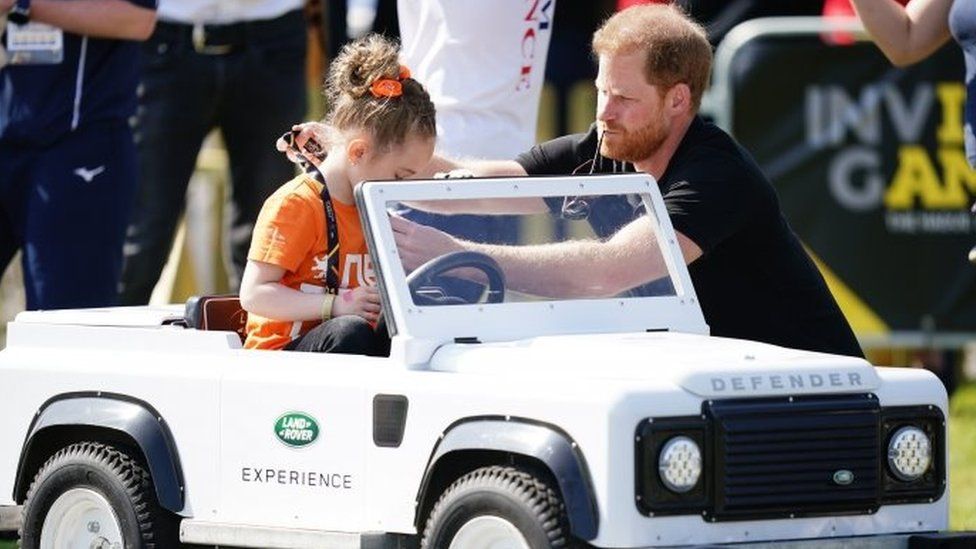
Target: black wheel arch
x,y
112,418
471,443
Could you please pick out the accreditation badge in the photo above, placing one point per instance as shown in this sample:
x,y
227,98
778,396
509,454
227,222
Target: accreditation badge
x,y
34,44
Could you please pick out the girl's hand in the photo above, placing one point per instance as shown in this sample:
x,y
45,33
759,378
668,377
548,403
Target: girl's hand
x,y
363,301
309,139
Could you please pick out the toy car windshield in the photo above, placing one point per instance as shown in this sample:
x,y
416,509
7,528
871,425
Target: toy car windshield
x,y
520,257
534,243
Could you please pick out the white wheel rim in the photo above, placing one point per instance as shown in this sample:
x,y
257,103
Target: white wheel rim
x,y
81,519
489,533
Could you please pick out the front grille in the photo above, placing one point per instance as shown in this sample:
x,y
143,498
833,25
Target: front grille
x,y
791,457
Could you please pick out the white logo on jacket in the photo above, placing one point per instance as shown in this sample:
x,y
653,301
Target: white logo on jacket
x,y
89,175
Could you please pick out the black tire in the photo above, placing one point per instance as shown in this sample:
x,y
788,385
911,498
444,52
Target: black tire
x,y
514,495
93,469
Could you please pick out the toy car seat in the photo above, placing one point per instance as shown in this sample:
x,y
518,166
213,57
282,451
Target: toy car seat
x,y
216,312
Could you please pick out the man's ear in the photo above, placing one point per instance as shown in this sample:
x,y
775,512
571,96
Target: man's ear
x,y
678,98
356,150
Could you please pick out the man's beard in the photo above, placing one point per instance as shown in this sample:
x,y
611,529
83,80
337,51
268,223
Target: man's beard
x,y
633,146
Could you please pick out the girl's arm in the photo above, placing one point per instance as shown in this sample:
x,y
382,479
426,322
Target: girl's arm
x,y
263,293
906,34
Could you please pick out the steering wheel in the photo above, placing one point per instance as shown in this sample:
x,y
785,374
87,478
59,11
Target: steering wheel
x,y
428,286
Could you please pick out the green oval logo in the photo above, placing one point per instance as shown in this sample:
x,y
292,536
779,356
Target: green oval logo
x,y
296,429
843,477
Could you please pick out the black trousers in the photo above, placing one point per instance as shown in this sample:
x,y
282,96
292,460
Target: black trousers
x,y
253,91
349,334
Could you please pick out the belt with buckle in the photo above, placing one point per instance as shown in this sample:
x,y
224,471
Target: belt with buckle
x,y
202,46
222,39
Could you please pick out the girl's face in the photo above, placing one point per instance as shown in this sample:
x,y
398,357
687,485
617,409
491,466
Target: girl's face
x,y
403,161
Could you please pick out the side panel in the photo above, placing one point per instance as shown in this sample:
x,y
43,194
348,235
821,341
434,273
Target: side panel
x,y
181,386
439,400
16,414
293,439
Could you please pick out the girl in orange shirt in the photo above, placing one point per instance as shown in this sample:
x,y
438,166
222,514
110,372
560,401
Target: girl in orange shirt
x,y
309,284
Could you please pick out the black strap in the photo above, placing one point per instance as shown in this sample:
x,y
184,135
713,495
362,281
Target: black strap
x,y
331,227
331,230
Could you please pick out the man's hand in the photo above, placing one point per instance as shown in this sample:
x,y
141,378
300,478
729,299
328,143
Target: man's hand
x,y
6,5
363,301
310,139
418,244
459,173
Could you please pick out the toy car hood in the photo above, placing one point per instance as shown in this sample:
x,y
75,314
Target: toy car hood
x,y
705,366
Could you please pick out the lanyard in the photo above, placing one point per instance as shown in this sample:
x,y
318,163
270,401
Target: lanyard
x,y
331,231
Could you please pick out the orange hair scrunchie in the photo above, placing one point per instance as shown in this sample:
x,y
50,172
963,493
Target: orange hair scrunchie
x,y
388,87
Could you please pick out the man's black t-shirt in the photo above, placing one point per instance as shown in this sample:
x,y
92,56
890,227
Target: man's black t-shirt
x,y
754,280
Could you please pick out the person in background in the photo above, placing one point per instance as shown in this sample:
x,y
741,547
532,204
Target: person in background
x,y
309,284
237,66
843,8
67,159
484,64
907,34
570,68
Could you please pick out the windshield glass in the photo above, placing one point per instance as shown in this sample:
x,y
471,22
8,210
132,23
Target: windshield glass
x,y
553,248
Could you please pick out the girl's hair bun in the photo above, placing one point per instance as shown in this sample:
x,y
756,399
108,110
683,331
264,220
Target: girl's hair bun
x,y
360,63
399,107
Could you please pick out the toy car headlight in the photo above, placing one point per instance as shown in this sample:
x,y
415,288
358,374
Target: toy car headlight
x,y
680,464
909,453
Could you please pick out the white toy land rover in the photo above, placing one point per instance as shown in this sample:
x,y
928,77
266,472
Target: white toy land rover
x,y
502,417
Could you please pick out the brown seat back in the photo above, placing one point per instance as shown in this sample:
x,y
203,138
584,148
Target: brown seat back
x,y
217,312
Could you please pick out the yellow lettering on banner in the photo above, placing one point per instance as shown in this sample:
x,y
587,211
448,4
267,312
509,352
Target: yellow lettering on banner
x,y
958,176
916,178
864,320
952,96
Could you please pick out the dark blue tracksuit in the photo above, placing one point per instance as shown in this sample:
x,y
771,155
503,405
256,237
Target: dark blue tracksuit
x,y
68,170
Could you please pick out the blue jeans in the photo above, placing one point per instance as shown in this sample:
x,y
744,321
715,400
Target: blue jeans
x,y
251,85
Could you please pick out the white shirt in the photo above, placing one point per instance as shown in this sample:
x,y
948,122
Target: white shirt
x,y
223,11
483,63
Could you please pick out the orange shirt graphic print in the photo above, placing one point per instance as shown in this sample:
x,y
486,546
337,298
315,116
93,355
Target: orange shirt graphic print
x,y
291,233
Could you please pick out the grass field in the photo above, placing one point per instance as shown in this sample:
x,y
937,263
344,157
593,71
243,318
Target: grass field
x,y
962,458
962,461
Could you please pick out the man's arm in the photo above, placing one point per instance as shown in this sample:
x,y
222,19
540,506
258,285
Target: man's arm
x,y
630,258
482,206
97,18
905,34
479,168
